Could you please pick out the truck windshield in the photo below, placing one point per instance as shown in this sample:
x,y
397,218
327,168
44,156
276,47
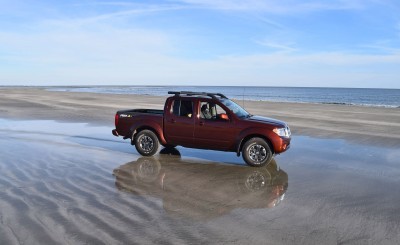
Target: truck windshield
x,y
235,108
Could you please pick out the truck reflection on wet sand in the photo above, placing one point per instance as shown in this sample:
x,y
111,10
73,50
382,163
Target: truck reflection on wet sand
x,y
202,190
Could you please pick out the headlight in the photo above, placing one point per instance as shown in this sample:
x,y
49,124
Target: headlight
x,y
283,132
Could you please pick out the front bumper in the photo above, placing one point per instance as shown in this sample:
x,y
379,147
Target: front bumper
x,y
282,145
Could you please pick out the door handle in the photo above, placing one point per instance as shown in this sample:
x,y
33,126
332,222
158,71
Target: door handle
x,y
201,123
173,121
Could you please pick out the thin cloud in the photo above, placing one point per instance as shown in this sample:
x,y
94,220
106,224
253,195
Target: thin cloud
x,y
389,45
237,5
130,12
149,9
383,48
270,22
278,7
277,46
109,3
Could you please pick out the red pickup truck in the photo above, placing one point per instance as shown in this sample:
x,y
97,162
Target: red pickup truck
x,y
205,121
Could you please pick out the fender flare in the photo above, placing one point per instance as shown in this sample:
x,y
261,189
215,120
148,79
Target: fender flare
x,y
256,131
151,125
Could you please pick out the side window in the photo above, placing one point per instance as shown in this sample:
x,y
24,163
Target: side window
x,y
182,108
205,111
175,107
212,111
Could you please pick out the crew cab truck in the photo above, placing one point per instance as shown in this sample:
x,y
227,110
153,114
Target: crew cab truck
x,y
205,121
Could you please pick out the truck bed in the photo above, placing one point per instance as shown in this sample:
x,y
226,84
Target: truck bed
x,y
141,111
125,119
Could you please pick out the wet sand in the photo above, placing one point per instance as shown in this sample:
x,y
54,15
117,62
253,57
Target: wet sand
x,y
68,182
71,183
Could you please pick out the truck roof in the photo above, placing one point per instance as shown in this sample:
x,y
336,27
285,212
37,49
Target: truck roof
x,y
198,94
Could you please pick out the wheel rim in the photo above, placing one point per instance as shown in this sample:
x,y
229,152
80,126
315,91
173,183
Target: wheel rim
x,y
146,143
257,153
148,170
255,181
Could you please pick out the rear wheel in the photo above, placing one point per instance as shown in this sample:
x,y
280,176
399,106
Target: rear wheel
x,y
256,152
148,169
146,143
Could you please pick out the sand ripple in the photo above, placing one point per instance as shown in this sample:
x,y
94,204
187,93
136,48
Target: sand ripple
x,y
58,188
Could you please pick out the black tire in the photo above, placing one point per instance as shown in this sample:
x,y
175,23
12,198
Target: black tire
x,y
168,146
146,143
257,152
170,152
256,180
148,169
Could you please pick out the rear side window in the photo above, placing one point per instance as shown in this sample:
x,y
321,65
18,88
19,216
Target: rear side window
x,y
182,108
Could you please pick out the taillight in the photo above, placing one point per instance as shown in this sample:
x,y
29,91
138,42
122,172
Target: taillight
x,y
116,119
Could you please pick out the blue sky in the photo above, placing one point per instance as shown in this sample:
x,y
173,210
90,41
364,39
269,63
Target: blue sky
x,y
338,43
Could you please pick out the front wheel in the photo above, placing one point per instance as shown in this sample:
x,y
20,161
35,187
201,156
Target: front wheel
x,y
146,143
256,152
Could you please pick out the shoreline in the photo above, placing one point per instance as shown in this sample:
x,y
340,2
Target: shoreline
x,y
282,96
367,125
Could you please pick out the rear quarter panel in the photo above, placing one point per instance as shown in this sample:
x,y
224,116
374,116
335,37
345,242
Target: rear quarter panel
x,y
127,125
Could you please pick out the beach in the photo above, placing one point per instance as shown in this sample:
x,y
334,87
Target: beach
x,y
66,180
370,125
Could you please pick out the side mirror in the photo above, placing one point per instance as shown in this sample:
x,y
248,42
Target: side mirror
x,y
223,116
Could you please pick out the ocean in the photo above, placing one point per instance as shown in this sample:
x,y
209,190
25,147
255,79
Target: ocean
x,y
345,96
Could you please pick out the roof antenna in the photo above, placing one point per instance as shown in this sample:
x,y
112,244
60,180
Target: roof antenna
x,y
244,88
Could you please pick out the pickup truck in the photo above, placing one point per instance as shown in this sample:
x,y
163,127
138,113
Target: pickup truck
x,y
204,121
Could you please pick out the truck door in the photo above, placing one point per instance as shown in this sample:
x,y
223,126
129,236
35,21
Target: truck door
x,y
179,122
214,128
